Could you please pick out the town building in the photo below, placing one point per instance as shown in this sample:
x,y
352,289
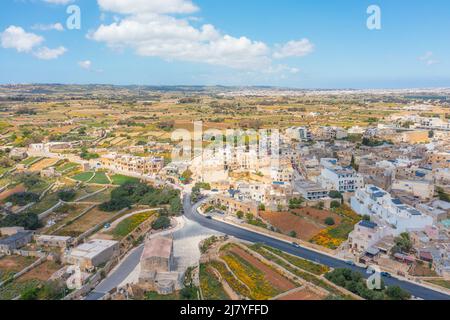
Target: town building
x,y
379,204
15,241
334,177
310,190
156,264
365,235
92,253
234,204
53,241
133,164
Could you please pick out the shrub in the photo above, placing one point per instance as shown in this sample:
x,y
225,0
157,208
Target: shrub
x,y
67,195
23,198
163,222
335,204
29,221
330,221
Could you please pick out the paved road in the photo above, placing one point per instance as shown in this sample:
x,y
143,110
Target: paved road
x,y
191,213
114,279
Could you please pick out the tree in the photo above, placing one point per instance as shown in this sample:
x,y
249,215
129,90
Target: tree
x,y
403,243
353,163
330,221
366,218
335,194
397,293
27,220
163,222
115,205
240,214
67,195
22,198
187,176
442,194
295,203
335,204
320,205
293,234
262,207
175,206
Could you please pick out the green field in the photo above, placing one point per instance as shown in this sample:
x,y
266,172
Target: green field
x,y
119,179
29,161
84,176
68,166
126,226
100,178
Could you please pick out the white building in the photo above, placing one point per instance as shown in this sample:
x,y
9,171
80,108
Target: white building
x,y
299,133
92,253
379,204
334,177
365,235
310,190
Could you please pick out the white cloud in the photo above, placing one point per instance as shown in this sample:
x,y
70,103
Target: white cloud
x,y
45,53
16,38
58,1
86,64
299,48
428,59
147,6
148,28
48,27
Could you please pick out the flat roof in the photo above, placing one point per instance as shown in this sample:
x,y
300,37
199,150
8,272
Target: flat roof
x,y
158,247
92,248
15,237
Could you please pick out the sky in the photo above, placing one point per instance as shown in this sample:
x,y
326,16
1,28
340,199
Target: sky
x,y
287,43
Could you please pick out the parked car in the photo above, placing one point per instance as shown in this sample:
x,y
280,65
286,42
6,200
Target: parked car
x,y
386,275
295,244
209,217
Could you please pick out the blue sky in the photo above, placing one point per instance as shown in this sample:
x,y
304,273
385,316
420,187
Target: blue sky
x,y
295,43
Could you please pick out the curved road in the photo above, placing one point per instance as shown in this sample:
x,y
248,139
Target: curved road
x,y
191,213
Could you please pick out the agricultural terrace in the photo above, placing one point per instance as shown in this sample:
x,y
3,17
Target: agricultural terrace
x,y
91,177
332,237
262,280
129,224
307,223
34,285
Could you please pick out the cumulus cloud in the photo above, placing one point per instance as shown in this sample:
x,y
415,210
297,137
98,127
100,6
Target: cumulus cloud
x,y
299,48
148,27
17,38
428,59
45,53
25,42
48,27
86,64
148,6
58,1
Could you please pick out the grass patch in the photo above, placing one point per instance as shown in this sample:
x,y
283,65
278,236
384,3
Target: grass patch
x,y
303,264
212,289
237,286
100,178
126,226
442,283
119,179
29,160
304,275
67,167
84,176
260,288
